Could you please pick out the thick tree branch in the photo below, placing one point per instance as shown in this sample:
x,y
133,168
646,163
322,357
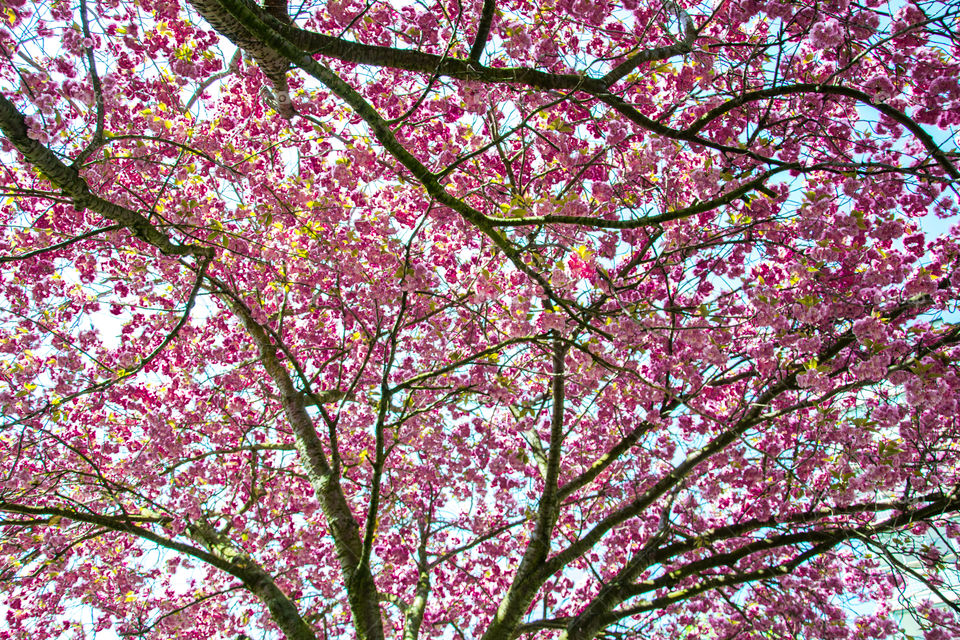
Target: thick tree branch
x,y
823,539
219,554
471,70
588,622
603,462
753,416
413,615
274,66
14,128
831,90
527,579
483,29
257,22
361,590
757,184
600,613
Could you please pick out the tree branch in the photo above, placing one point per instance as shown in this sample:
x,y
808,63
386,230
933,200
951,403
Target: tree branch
x,y
528,578
483,29
361,590
221,556
14,128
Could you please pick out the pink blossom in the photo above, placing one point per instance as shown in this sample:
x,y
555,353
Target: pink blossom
x,y
825,34
467,342
880,87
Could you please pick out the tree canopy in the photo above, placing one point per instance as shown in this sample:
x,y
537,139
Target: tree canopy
x,y
478,319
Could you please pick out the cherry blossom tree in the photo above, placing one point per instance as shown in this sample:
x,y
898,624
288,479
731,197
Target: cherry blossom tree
x,y
483,319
